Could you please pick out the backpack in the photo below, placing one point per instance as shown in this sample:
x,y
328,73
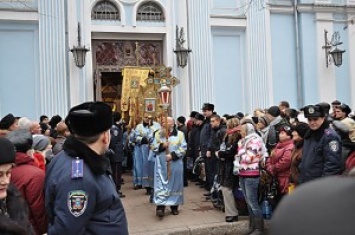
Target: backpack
x,y
216,194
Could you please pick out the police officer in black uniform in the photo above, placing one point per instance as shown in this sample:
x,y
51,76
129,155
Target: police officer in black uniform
x,y
116,155
81,197
321,154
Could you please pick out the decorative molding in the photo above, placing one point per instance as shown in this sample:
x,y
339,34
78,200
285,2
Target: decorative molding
x,y
225,16
240,23
311,8
281,9
19,15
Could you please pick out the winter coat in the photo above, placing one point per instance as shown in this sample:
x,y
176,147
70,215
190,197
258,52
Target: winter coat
x,y
272,133
205,137
225,174
193,143
296,158
251,151
321,155
217,136
87,204
183,129
15,220
279,164
29,179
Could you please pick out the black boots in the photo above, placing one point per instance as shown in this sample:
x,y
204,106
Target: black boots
x,y
230,219
174,210
160,211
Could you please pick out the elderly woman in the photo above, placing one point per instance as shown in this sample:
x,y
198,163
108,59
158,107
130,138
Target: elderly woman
x,y
13,208
251,151
279,163
226,156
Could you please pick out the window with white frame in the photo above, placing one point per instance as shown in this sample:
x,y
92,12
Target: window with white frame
x,y
105,10
150,11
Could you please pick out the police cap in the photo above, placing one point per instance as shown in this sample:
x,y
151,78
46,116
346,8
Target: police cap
x,y
89,119
314,111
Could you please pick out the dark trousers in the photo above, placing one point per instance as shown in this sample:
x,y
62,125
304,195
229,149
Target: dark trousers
x,y
185,171
211,164
117,174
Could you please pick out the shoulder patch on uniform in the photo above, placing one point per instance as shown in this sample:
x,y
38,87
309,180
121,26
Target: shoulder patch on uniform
x,y
115,132
327,131
77,202
334,145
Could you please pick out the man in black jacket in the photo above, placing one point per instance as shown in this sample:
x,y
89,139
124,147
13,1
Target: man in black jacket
x,y
116,155
219,129
205,142
321,155
193,144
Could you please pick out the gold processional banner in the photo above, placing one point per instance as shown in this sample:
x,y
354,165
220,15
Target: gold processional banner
x,y
132,85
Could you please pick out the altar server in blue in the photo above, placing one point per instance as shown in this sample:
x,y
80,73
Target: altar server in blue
x,y
168,179
151,158
141,151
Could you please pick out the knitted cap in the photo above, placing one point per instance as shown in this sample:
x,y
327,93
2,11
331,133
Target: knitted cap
x,y
301,128
40,142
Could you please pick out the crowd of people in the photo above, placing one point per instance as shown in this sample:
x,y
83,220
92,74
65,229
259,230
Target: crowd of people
x,y
64,176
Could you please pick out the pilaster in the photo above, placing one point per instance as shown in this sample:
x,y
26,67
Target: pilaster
x,y
326,76
52,53
258,84
200,65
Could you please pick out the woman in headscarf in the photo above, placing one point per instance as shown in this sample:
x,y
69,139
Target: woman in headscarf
x,y
251,152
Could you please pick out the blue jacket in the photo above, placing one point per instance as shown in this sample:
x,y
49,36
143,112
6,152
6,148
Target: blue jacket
x,y
321,155
83,205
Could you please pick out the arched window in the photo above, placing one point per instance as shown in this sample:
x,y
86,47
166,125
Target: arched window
x,y
105,10
150,11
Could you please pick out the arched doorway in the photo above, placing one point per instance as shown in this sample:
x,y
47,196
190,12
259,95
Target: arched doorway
x,y
111,56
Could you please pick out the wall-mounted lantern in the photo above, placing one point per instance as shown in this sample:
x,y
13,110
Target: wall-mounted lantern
x,y
181,52
332,53
79,52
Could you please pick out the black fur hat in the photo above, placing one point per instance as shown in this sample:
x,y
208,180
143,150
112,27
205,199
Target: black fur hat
x,y
54,121
7,121
208,106
7,151
89,119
